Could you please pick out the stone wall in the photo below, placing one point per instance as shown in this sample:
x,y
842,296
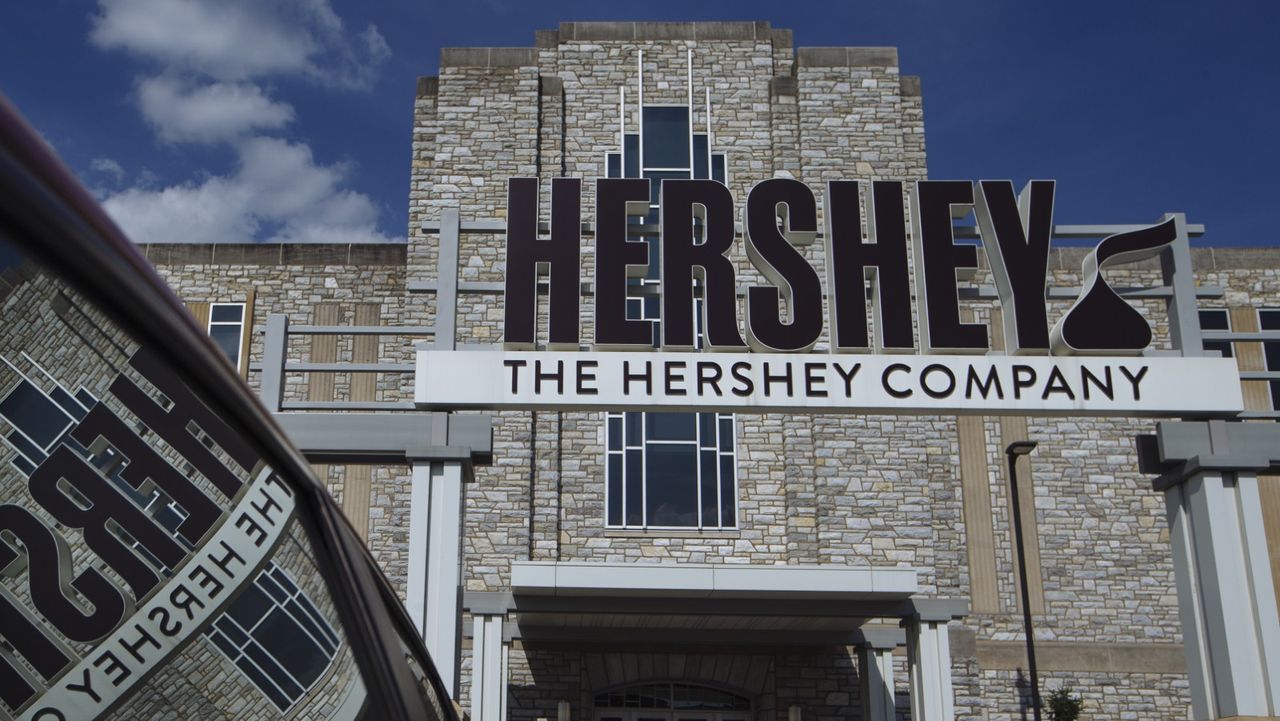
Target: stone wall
x,y
874,490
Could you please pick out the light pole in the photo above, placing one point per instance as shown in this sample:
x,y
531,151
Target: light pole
x,y
1016,449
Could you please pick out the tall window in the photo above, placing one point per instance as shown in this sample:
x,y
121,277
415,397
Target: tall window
x,y
667,470
1216,319
275,635
1269,319
226,327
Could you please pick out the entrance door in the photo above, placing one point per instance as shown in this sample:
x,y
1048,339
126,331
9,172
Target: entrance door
x,y
620,715
670,701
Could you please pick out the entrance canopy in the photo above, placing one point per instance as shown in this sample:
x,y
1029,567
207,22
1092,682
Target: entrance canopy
x,y
705,604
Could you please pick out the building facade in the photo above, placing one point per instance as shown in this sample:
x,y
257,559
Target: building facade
x,y
637,566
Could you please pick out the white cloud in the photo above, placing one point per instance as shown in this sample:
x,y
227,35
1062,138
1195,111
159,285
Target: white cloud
x,y
218,111
109,168
278,192
210,58
235,40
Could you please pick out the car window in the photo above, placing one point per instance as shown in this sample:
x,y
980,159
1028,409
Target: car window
x,y
154,563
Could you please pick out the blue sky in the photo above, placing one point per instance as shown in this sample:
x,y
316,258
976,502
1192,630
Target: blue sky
x,y
238,120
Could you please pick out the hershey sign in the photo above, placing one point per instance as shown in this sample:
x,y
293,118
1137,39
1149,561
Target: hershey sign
x,y
905,286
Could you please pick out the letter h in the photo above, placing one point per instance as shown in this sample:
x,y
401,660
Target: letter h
x,y
529,257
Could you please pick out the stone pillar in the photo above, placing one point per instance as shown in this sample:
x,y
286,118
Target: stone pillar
x,y
434,567
875,669
1225,594
1231,634
929,660
488,667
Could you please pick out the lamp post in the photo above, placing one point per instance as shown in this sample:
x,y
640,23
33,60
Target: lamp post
x,y
1013,452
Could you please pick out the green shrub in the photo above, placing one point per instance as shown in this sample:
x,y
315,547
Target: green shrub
x,y
1063,706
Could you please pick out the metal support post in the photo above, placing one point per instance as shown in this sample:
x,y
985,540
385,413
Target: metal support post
x,y
875,669
274,351
929,660
434,572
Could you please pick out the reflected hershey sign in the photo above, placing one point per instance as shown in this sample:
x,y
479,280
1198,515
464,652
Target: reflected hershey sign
x,y
883,291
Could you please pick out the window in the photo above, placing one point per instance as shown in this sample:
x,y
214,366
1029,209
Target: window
x,y
667,470
38,420
1269,319
226,327
273,633
1216,319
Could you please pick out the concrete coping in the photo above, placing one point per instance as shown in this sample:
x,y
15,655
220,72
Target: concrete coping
x,y
544,39
882,638
874,57
937,610
909,85
393,254
759,30
488,57
712,581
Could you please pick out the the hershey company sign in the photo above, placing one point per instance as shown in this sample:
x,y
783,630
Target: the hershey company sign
x,y
1090,361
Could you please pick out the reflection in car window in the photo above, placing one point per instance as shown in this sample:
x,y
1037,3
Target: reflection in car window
x,y
153,564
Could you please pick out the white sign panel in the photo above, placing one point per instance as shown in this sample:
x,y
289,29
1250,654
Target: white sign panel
x,y
166,622
773,382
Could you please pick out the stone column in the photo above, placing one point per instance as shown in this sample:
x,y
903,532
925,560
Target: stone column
x,y
875,669
488,667
434,567
1231,634
1225,594
929,660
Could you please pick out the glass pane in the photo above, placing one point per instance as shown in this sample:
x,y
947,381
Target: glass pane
x,y
615,489
1272,353
635,488
672,498
1222,346
717,168
700,156
671,426
728,500
29,410
614,165
632,156
666,137
226,313
635,428
615,433
228,339
707,430
1214,319
1269,319
708,484
726,434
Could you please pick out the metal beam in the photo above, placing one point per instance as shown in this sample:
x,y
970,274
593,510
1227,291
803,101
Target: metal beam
x,y
362,330
1194,230
447,280
363,436
651,606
